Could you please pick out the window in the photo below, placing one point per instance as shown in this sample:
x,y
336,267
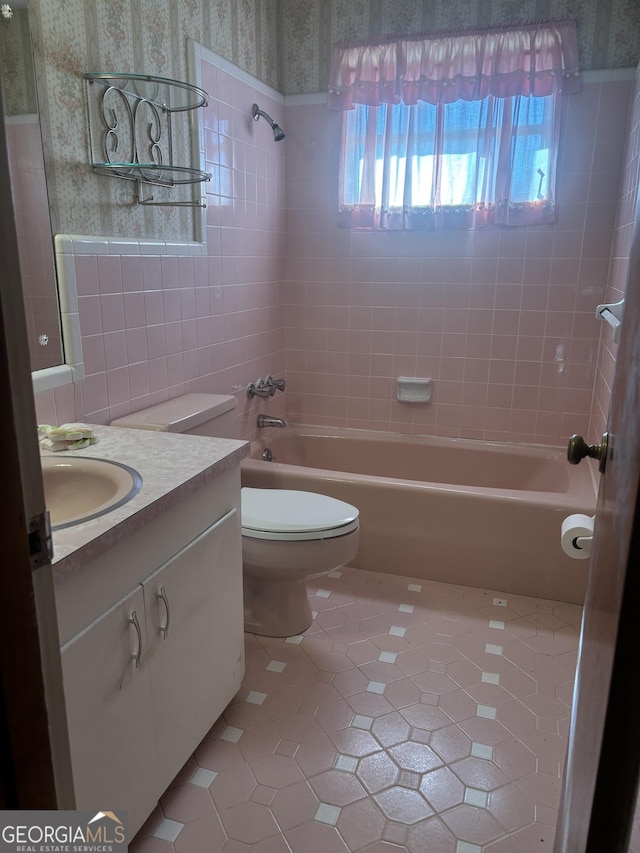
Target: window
x,y
453,130
463,164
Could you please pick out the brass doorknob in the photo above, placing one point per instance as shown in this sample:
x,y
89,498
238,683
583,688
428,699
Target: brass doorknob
x,y
578,449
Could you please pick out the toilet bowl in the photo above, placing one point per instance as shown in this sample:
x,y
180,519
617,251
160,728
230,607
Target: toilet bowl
x,y
287,535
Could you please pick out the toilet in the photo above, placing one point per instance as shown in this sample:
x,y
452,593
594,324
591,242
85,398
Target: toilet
x,y
287,535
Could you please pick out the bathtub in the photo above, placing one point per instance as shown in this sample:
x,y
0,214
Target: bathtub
x,y
467,512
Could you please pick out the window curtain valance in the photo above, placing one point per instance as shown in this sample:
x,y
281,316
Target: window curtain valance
x,y
527,59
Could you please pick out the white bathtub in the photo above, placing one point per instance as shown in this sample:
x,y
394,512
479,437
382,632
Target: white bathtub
x,y
469,512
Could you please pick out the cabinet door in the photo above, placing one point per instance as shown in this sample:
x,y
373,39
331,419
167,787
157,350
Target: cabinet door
x,y
195,626
108,701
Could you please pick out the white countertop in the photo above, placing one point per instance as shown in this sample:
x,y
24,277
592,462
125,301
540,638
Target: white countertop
x,y
171,466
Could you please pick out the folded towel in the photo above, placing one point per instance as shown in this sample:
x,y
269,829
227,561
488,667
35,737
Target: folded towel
x,y
66,436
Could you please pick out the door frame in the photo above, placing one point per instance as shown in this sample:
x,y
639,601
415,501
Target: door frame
x,y
616,789
600,784
36,768
618,776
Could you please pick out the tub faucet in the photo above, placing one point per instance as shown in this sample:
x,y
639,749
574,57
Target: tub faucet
x,y
274,384
259,389
267,421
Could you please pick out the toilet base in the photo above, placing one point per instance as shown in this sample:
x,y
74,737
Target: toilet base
x,y
276,601
275,609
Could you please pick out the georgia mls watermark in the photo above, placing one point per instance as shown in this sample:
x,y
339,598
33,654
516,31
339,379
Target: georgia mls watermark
x,y
63,832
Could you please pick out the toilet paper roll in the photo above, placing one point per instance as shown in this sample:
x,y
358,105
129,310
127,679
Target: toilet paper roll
x,y
574,527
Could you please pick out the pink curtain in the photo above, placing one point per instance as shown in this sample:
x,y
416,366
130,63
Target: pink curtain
x,y
529,59
453,130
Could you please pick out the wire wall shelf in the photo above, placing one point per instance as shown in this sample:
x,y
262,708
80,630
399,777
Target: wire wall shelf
x,y
131,132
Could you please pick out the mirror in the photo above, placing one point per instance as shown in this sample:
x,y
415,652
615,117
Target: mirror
x,y
31,204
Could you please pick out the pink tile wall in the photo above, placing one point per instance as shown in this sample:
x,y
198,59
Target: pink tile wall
x,y
503,321
627,211
157,321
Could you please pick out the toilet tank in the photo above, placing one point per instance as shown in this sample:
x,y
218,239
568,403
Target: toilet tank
x,y
193,414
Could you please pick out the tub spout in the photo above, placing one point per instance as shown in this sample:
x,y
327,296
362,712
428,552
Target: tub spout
x,y
266,421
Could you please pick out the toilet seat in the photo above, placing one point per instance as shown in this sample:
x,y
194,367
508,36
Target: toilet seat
x,y
287,514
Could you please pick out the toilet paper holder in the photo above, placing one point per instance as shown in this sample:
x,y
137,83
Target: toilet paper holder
x,y
583,543
576,536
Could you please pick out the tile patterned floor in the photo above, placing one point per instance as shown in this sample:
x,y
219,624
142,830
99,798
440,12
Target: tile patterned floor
x,y
411,715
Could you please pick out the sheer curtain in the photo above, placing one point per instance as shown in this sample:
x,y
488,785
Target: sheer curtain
x,y
453,130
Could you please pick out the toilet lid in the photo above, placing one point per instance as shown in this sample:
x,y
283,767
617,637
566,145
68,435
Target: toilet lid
x,y
290,514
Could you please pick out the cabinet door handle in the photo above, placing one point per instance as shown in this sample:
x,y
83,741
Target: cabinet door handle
x,y
162,596
136,656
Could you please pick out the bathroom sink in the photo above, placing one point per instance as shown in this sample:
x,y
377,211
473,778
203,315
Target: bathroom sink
x,y
78,489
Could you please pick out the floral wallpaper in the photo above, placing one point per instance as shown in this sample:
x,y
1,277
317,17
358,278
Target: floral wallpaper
x,y
148,36
608,30
16,65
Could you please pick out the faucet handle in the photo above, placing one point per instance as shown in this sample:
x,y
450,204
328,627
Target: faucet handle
x,y
260,389
275,384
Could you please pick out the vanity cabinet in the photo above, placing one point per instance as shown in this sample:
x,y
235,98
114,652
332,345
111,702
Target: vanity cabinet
x,y
109,708
191,614
145,679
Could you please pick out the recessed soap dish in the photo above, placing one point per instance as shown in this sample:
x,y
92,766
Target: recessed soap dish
x,y
414,389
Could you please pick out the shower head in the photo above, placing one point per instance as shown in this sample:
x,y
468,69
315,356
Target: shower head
x,y
278,132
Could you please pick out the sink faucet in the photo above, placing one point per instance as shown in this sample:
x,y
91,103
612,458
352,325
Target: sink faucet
x,y
267,421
